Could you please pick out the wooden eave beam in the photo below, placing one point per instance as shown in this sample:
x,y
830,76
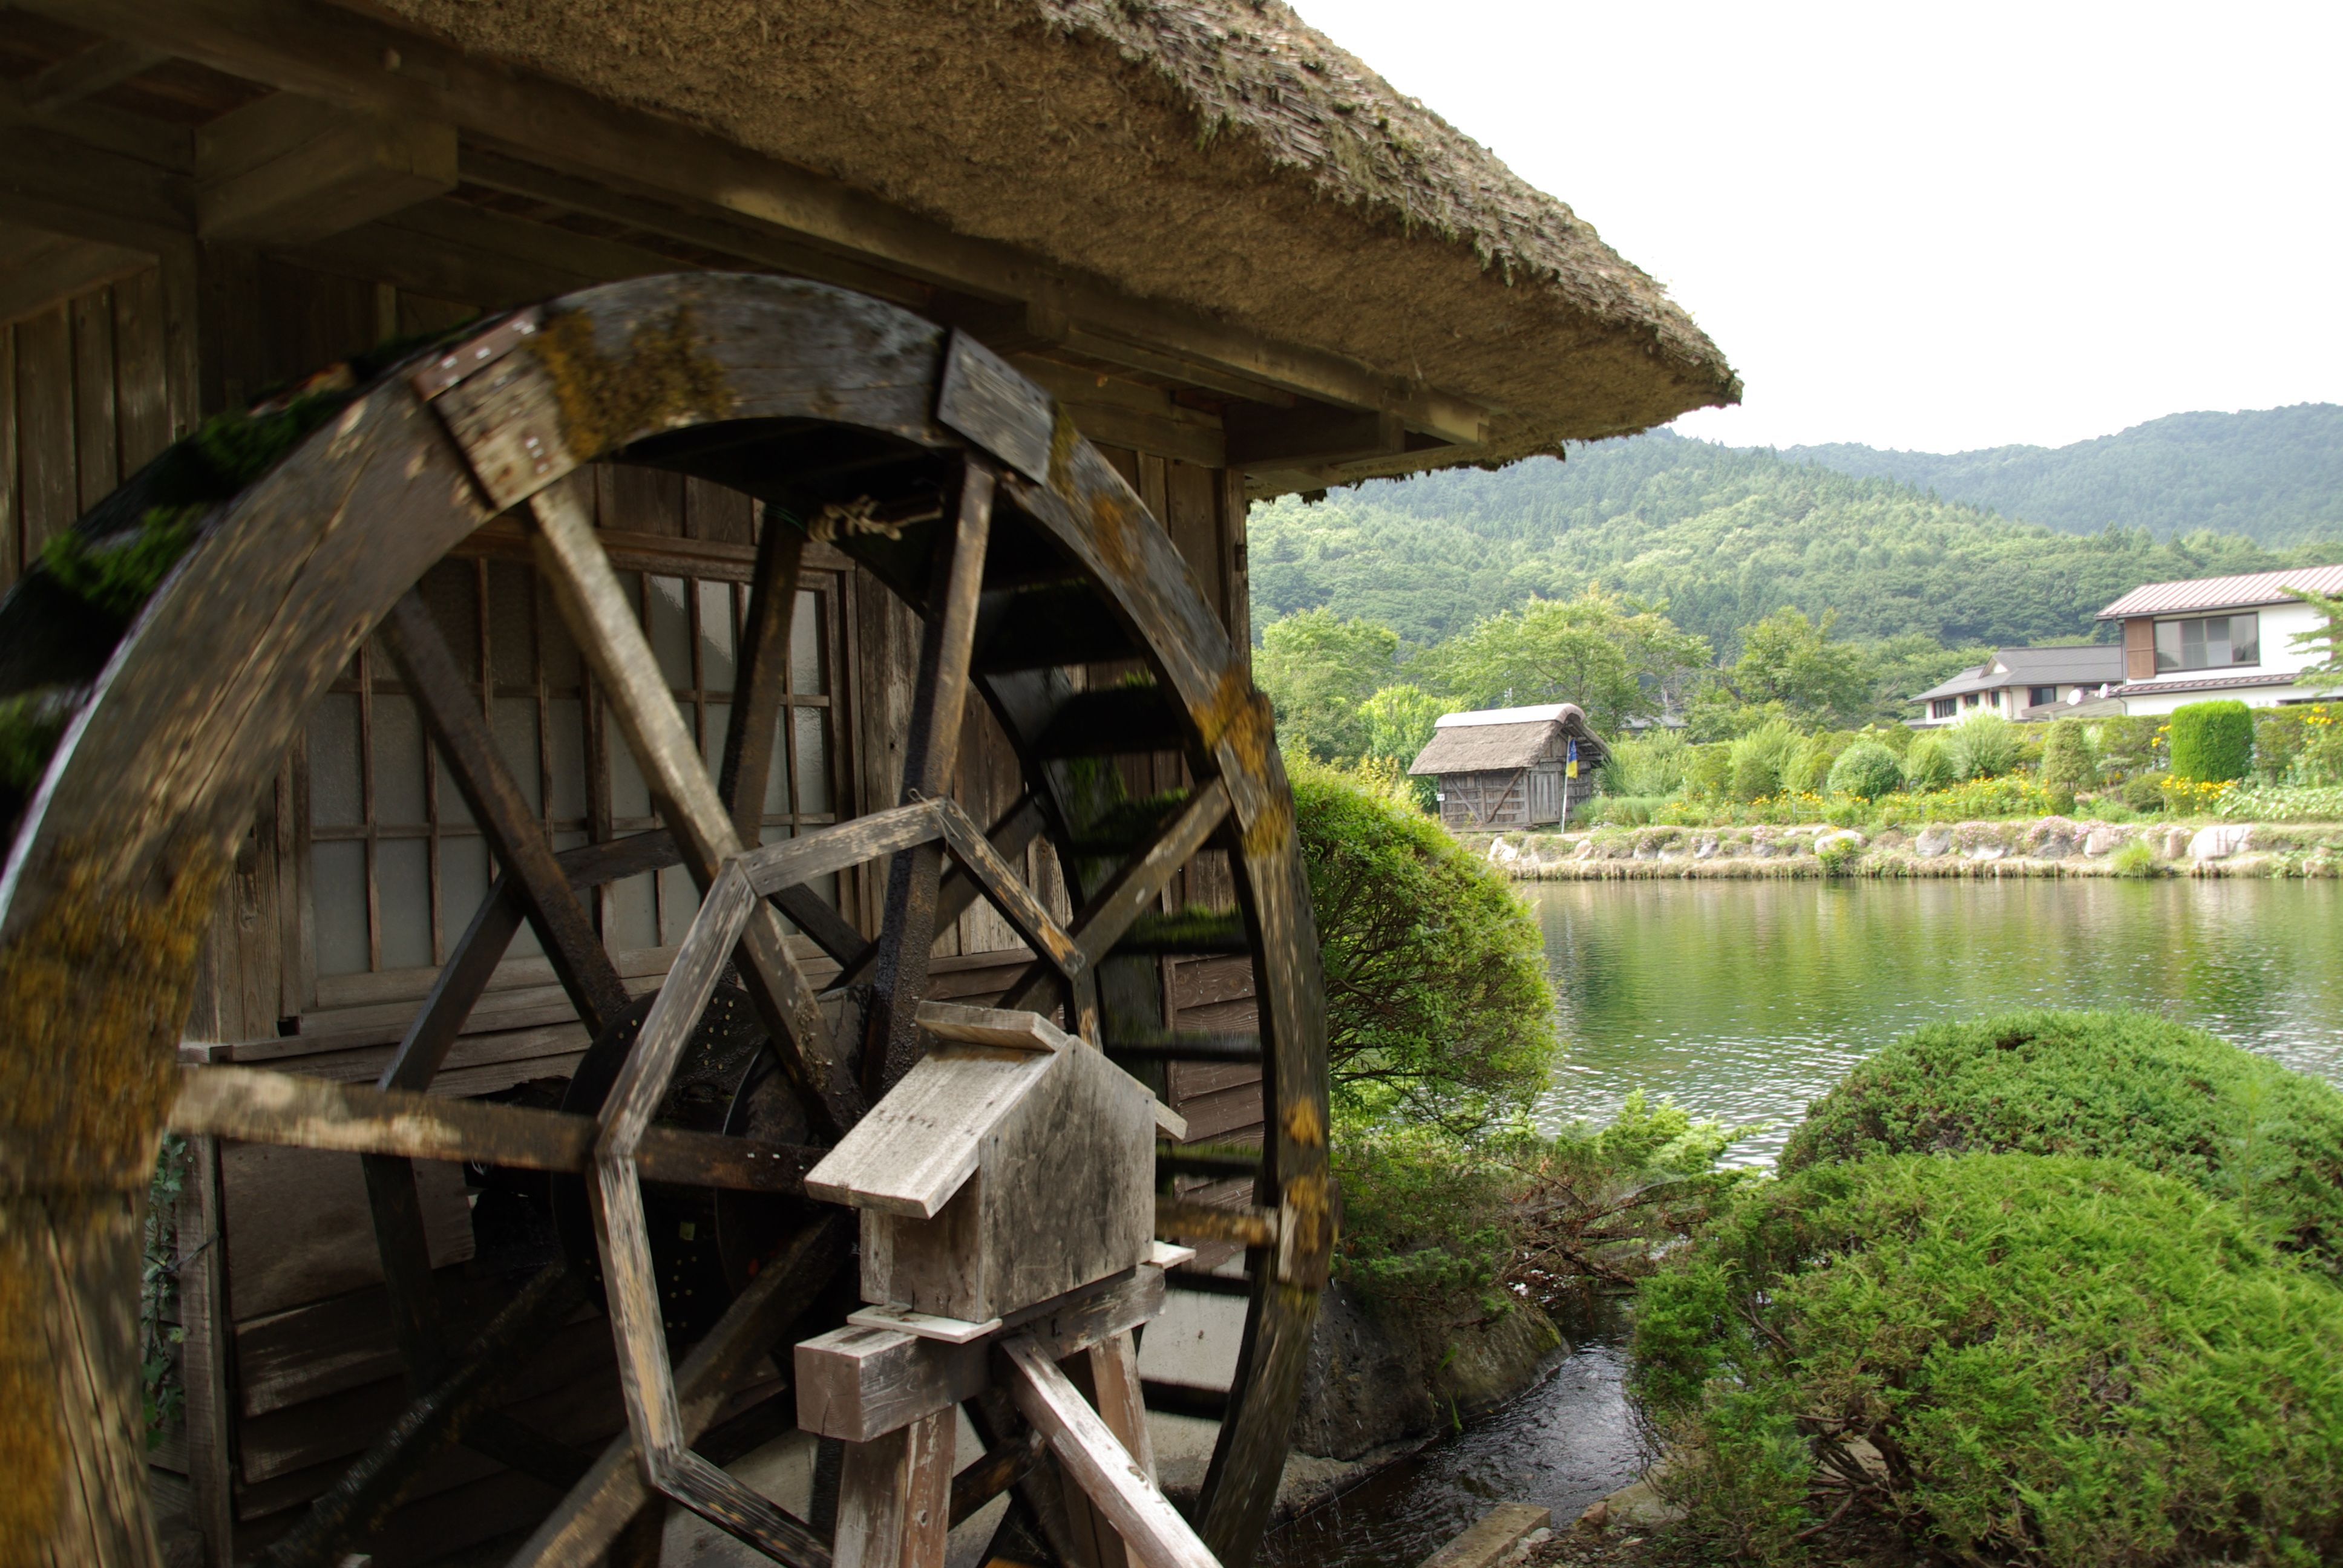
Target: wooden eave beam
x,y
50,180
290,169
39,270
359,60
106,64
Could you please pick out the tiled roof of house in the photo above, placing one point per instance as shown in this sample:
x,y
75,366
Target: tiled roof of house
x,y
2225,593
2087,666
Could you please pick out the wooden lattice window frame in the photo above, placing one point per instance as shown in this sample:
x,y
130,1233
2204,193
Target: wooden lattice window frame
x,y
815,710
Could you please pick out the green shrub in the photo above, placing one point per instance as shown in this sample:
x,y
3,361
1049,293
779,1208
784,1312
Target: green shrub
x,y
1624,810
2008,1358
1708,770
1928,765
2300,743
2301,804
2212,740
1652,764
2062,799
2128,745
2144,791
1808,768
1761,758
1436,994
1866,770
1982,746
2133,861
2067,755
1435,1222
1896,737
2114,1085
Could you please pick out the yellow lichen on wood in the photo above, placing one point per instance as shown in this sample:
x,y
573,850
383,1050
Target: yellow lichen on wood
x,y
92,998
662,381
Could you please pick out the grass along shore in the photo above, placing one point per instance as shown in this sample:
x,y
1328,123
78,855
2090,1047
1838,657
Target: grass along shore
x,y
2022,847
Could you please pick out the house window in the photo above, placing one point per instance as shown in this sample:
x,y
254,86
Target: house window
x,y
1970,700
1944,706
2041,696
2212,642
397,866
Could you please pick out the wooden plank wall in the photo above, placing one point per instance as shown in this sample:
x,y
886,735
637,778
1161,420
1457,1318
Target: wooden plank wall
x,y
86,398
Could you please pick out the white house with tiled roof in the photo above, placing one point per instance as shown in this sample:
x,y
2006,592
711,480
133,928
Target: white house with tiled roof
x,y
2022,683
2219,637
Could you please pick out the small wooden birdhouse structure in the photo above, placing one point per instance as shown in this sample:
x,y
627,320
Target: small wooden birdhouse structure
x,y
1012,1165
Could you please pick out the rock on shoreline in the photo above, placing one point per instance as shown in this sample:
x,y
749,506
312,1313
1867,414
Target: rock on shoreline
x,y
2022,847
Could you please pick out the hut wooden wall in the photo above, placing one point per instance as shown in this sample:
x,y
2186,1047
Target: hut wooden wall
x,y
289,1365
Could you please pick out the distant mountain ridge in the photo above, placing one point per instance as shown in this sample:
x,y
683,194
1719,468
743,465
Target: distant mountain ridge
x,y
2273,475
1722,536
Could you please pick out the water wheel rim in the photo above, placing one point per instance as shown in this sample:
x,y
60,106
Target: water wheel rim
x,y
137,816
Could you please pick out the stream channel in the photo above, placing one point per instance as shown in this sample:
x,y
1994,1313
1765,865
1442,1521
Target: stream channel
x,y
1744,1001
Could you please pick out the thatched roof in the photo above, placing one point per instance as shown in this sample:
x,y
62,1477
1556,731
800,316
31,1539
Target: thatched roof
x,y
1495,738
1220,154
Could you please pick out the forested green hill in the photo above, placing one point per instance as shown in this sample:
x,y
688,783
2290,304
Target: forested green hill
x,y
1721,536
2275,474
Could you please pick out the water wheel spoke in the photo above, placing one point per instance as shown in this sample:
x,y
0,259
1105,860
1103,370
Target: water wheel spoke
x,y
760,699
900,978
1132,889
599,1506
451,710
595,606
1017,827
253,1105
362,1500
1001,886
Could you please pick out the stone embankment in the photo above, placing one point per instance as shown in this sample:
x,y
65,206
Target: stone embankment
x,y
2034,847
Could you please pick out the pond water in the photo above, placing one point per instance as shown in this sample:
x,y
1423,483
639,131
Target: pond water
x,y
1746,1000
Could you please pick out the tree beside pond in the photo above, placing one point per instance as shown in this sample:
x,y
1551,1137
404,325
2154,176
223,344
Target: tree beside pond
x,y
1437,1005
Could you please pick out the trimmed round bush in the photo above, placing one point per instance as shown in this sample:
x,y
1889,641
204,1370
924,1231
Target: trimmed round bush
x,y
2212,740
2019,1358
1437,1003
1866,769
2118,1085
1926,766
2144,791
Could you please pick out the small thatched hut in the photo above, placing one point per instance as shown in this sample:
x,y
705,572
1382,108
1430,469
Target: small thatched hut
x,y
1241,263
1502,768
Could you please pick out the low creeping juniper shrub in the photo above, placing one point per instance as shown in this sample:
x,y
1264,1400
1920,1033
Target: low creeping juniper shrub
x,y
2114,1085
2008,1358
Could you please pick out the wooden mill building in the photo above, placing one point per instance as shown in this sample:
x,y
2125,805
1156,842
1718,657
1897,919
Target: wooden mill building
x,y
1241,263
1504,768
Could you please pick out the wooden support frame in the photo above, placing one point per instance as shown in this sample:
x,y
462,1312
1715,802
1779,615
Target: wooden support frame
x,y
1110,1474
858,1384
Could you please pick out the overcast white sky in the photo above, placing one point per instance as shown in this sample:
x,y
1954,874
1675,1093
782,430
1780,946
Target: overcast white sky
x,y
1931,226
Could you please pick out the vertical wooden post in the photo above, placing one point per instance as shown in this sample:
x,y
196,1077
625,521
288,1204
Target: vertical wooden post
x,y
894,1497
202,1355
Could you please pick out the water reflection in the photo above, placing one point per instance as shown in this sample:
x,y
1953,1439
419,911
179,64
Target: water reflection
x,y
1746,1000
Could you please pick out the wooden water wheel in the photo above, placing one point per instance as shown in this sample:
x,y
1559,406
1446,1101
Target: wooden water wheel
x,y
1042,586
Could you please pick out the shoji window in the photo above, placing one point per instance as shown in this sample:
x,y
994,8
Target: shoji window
x,y
395,865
